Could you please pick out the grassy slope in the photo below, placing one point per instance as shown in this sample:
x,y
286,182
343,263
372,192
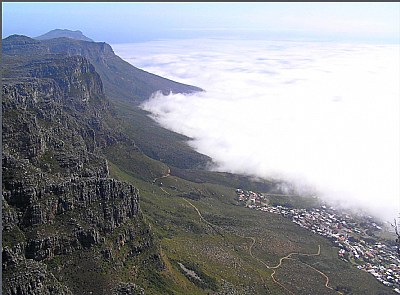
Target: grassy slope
x,y
125,81
218,247
219,253
157,142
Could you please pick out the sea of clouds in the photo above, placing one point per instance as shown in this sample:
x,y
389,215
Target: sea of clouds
x,y
322,115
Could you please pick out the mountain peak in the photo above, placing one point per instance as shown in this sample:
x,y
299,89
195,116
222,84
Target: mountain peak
x,y
20,39
59,33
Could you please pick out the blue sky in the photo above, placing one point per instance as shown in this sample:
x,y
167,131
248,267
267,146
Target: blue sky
x,y
138,21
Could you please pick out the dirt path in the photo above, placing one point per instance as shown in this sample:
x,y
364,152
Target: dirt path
x,y
161,177
274,268
296,253
279,264
165,191
213,226
289,256
199,213
324,275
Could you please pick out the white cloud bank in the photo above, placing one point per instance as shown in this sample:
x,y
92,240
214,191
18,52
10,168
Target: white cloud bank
x,y
322,114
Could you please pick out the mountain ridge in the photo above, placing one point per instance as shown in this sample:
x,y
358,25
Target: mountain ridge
x,y
57,33
60,205
122,81
127,87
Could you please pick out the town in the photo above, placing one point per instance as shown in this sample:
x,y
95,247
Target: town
x,y
354,237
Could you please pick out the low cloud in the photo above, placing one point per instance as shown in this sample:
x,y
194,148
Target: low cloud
x,y
322,115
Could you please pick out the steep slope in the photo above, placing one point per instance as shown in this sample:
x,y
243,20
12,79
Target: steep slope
x,y
122,81
60,33
61,210
127,87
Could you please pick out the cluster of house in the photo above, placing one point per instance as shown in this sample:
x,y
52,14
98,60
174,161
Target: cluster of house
x,y
353,236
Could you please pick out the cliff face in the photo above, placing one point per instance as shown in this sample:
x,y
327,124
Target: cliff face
x,y
66,223
122,81
125,85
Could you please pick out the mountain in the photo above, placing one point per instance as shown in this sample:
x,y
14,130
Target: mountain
x,y
127,87
59,33
122,81
61,208
86,210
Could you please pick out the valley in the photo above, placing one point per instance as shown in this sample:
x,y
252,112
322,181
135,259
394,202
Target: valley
x,y
100,199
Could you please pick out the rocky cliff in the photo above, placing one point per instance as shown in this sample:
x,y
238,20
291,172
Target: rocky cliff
x,y
122,81
125,85
68,228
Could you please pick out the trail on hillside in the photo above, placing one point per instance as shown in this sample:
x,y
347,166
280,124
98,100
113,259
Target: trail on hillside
x,y
163,176
274,268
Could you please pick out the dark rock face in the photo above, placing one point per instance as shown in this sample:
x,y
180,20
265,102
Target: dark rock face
x,y
128,289
122,81
35,280
72,78
117,201
60,207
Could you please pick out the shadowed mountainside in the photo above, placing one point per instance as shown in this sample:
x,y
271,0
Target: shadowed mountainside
x,y
121,80
126,86
61,210
59,33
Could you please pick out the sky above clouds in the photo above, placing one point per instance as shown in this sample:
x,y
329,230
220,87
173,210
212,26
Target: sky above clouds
x,y
123,22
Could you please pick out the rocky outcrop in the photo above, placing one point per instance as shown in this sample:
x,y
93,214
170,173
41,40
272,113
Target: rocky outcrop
x,y
51,78
55,116
122,81
61,210
50,246
128,289
75,76
114,202
35,279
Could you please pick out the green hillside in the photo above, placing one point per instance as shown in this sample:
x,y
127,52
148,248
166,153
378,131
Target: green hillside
x,y
99,199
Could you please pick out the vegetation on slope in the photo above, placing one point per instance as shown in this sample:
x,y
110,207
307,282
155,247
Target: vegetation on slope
x,y
190,235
